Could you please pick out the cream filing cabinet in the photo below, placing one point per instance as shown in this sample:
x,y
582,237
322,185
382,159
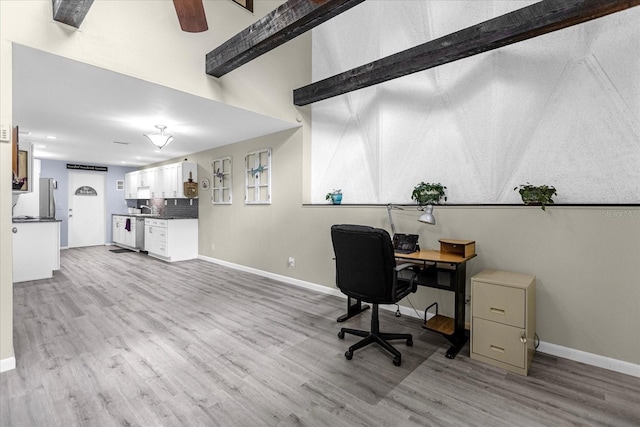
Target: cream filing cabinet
x,y
503,319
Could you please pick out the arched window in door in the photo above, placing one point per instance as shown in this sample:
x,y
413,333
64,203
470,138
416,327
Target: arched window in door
x,y
86,191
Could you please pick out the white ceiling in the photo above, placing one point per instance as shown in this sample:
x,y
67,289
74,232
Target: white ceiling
x,y
88,108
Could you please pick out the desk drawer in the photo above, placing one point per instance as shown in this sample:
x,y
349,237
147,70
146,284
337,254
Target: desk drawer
x,y
498,342
498,303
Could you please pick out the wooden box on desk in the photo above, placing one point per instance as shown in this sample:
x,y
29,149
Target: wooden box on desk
x,y
464,248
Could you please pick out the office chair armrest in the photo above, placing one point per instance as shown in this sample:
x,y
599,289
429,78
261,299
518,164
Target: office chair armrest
x,y
413,284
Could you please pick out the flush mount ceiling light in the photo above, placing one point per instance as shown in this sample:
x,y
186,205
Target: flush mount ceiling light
x,y
159,139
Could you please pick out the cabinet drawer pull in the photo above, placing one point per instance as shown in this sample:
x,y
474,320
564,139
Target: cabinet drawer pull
x,y
497,310
498,349
523,338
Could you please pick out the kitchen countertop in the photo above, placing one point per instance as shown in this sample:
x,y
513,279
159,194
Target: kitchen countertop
x,y
138,215
32,219
153,216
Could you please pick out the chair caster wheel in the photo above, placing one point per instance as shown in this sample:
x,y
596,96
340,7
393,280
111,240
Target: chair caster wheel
x,y
397,361
341,335
409,342
348,354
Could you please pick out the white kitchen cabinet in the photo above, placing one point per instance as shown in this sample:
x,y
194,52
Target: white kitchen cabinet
x,y
171,239
164,182
137,184
157,184
122,236
171,180
131,182
144,178
155,237
36,250
178,174
117,226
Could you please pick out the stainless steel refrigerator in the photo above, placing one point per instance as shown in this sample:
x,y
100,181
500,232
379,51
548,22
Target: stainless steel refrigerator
x,y
47,199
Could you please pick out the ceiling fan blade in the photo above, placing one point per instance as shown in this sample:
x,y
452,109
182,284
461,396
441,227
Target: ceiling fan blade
x,y
191,15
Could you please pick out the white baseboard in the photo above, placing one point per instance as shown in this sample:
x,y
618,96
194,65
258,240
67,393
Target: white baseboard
x,y
7,364
279,277
544,347
590,359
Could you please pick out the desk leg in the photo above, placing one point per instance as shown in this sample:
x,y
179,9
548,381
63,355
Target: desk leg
x,y
459,336
352,309
457,341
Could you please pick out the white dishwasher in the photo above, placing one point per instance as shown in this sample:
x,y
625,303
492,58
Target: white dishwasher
x,y
139,234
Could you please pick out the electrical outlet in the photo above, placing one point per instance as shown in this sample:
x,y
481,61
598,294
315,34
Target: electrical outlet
x,y
213,246
292,261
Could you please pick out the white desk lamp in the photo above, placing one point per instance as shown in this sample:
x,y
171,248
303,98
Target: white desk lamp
x,y
426,217
393,227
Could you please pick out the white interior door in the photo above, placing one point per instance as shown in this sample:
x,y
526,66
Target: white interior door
x,y
86,209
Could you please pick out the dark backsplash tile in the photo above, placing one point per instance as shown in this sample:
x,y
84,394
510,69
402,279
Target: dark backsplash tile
x,y
174,208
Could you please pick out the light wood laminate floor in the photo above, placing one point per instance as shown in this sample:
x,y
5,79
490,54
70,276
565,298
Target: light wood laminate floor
x,y
124,339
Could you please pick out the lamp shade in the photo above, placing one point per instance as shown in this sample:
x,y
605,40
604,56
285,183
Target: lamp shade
x,y
427,216
159,138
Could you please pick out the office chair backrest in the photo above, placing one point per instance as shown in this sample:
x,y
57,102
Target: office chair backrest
x,y
364,263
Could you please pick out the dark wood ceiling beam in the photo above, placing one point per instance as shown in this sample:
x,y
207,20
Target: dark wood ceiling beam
x,y
526,23
71,12
287,21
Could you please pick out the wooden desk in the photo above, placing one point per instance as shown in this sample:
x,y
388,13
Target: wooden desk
x,y
432,255
447,271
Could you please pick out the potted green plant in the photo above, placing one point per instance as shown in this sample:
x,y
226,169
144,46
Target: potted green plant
x,y
536,194
335,196
428,193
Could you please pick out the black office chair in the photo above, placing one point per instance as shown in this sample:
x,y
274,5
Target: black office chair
x,y
366,270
